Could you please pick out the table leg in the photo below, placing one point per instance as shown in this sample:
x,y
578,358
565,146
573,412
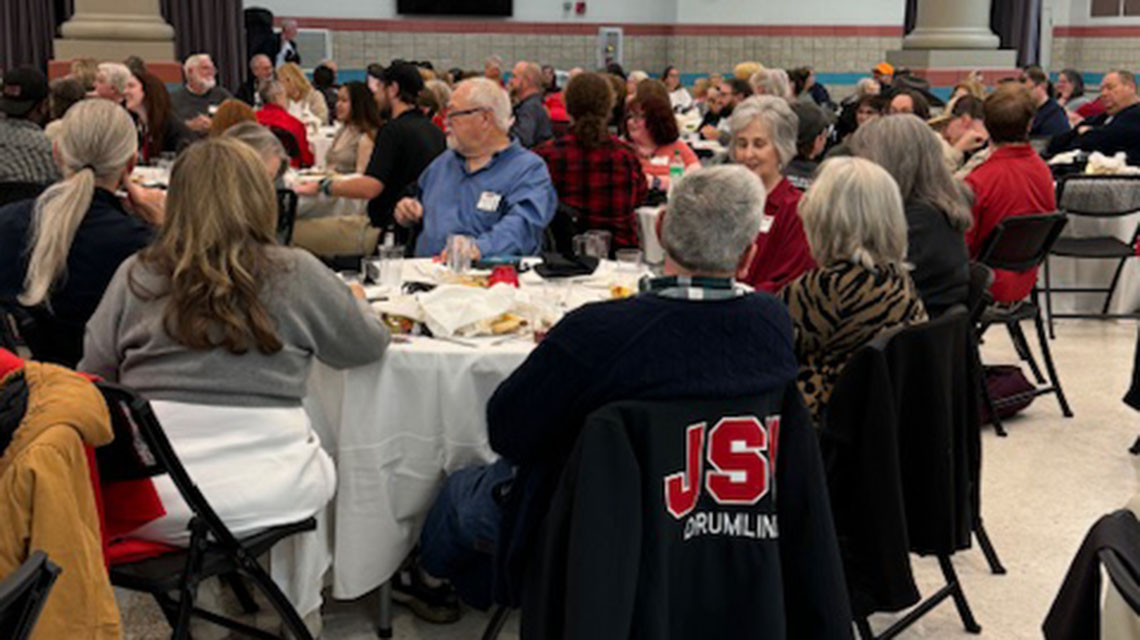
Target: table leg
x,y
385,629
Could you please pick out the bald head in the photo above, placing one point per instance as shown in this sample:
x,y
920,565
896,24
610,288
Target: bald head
x,y
526,80
289,29
261,67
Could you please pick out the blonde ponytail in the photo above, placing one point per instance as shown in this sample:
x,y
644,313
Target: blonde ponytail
x,y
97,141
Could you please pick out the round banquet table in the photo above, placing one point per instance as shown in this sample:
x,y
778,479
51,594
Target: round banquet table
x,y
397,427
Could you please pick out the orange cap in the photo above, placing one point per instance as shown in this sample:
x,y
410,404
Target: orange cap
x,y
885,68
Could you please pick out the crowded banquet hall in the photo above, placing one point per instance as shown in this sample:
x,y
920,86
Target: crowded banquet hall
x,y
280,281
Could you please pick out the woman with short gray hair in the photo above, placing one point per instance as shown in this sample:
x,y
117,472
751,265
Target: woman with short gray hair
x,y
935,205
764,130
855,226
771,82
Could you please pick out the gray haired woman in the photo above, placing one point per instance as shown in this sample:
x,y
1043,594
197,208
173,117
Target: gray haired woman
x,y
936,209
764,130
853,218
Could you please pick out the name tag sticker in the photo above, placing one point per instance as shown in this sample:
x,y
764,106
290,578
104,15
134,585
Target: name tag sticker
x,y
659,161
766,223
489,201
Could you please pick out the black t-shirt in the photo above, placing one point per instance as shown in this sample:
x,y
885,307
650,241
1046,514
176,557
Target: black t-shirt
x,y
404,148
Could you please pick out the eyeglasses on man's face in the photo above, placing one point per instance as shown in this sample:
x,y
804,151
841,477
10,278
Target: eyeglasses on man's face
x,y
451,115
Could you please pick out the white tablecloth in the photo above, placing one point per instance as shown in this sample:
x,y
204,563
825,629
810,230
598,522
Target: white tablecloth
x,y
397,427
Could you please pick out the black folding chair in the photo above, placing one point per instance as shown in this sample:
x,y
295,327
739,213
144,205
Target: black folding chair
x,y
1019,244
16,191
213,550
288,141
286,215
10,337
23,595
940,510
1120,196
559,234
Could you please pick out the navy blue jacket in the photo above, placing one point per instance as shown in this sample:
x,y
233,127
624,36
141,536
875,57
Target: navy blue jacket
x,y
644,348
1050,120
1108,135
106,236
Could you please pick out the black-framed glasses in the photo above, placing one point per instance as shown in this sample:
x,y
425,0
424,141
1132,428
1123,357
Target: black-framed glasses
x,y
451,115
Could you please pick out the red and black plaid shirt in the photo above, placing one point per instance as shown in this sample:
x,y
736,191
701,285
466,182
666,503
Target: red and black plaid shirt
x,y
605,184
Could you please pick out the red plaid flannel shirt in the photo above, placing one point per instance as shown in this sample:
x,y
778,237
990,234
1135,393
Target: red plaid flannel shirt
x,y
605,184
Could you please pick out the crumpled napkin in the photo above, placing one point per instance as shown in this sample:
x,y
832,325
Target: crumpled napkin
x,y
1100,164
448,309
1068,157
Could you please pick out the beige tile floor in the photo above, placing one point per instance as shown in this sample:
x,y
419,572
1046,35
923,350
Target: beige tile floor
x,y
1043,487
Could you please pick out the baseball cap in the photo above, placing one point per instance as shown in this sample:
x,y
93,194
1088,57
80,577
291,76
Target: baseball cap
x,y
406,75
884,68
22,90
813,121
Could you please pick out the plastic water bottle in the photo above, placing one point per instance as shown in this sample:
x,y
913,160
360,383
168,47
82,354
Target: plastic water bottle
x,y
676,170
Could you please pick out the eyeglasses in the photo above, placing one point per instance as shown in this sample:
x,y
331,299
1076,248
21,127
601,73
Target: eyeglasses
x,y
451,115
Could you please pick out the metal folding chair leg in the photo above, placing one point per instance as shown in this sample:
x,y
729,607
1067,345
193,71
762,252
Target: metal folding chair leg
x,y
1049,298
385,628
1053,379
959,597
1112,286
864,629
241,592
289,616
988,548
1022,346
984,388
497,622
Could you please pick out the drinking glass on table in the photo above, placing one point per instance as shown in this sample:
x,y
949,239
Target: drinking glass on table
x,y
391,267
628,259
598,244
459,252
581,244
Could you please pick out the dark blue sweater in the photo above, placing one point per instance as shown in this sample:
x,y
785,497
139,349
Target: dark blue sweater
x,y
106,236
1050,120
645,348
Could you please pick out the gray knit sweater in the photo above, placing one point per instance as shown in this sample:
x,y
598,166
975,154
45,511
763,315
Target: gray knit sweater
x,y
315,314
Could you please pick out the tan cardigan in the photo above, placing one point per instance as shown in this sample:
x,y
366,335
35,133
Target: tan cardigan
x,y
46,502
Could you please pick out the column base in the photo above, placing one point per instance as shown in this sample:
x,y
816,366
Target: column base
x,y
953,58
114,50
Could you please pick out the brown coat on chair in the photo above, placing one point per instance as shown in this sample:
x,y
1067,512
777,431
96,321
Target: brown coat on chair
x,y
46,501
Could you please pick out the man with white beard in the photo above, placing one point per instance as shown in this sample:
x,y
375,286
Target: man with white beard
x,y
192,101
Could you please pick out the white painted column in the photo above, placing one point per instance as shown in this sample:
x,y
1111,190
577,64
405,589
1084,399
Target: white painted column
x,y
952,24
115,29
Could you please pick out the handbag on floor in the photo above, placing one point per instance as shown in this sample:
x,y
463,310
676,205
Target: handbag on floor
x,y
1010,390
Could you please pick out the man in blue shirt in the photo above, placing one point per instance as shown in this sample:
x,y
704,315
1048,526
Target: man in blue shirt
x,y
486,187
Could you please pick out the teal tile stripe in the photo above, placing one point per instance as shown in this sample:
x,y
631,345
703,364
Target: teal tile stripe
x,y
833,79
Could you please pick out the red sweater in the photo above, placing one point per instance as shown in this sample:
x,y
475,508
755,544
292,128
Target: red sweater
x,y
781,248
272,115
1014,181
